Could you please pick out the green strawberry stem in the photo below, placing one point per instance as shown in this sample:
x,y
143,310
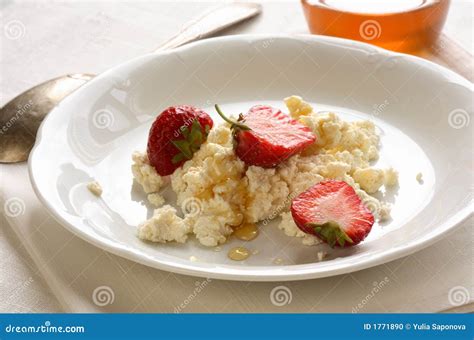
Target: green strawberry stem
x,y
234,124
332,233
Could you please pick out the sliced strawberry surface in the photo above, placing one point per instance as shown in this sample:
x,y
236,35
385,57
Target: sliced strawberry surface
x,y
266,137
176,134
332,211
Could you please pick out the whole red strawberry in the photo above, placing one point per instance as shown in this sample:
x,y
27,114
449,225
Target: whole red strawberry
x,y
332,211
265,136
176,134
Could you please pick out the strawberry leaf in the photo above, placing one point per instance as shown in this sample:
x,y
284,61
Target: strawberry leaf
x,y
185,131
178,158
332,233
193,138
184,147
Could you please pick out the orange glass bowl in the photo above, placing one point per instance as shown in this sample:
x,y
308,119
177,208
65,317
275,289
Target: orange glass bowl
x,y
402,25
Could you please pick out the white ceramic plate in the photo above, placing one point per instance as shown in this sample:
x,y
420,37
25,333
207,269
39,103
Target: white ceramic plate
x,y
423,112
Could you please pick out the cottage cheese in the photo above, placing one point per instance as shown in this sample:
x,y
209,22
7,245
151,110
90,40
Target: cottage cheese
x,y
156,199
145,174
298,107
217,192
290,228
370,180
211,188
164,226
390,177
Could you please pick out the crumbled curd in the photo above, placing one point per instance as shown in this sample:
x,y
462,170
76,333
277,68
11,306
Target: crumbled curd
x,y
164,226
145,174
290,228
156,199
390,177
369,179
218,192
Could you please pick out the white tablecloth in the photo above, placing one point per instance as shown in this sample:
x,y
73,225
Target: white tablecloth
x,y
45,268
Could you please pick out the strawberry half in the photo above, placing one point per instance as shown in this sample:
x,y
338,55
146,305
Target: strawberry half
x,y
176,134
332,211
265,136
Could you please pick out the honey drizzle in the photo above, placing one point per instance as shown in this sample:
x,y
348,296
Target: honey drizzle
x,y
246,231
238,254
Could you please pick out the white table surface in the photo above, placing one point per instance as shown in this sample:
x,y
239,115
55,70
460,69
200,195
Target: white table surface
x,y
60,38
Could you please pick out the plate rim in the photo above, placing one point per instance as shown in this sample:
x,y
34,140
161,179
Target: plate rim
x,y
254,273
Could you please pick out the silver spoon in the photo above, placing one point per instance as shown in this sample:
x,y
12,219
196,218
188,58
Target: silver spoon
x,y
21,117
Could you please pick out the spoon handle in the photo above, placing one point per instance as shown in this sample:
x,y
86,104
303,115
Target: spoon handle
x,y
211,22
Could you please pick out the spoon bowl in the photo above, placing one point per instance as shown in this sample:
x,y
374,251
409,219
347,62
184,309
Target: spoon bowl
x,y
21,117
